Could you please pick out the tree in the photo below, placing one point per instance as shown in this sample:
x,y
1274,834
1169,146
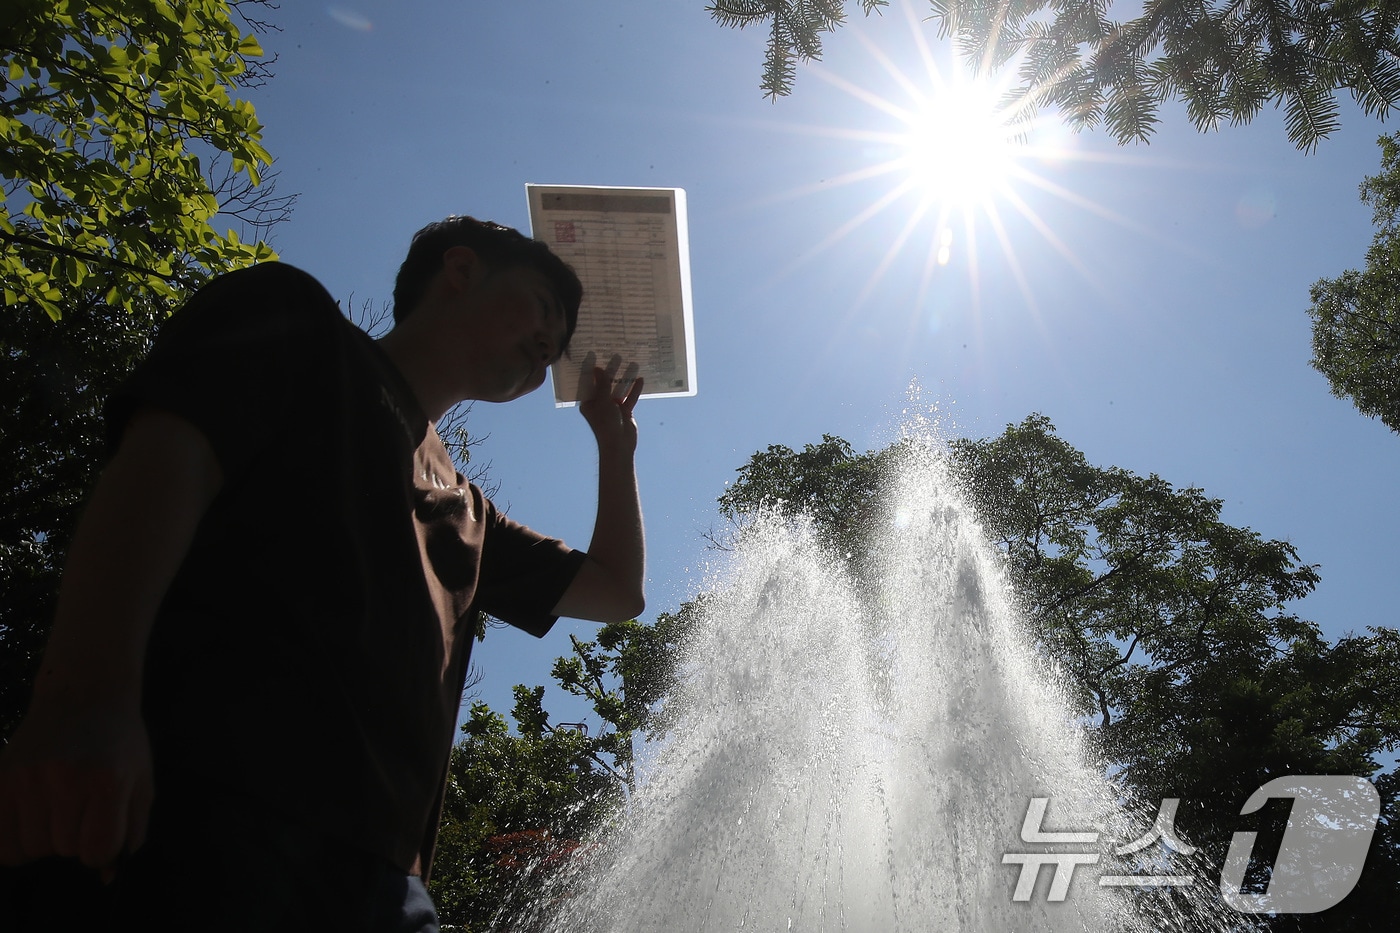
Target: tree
x,y
114,116
124,143
1224,60
794,34
1240,720
827,482
1192,676
520,806
1356,316
516,809
627,675
51,446
1176,631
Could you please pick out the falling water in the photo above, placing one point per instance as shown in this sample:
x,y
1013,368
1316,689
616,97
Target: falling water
x,y
856,758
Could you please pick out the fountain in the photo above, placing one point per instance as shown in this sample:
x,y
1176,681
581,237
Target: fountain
x,y
860,758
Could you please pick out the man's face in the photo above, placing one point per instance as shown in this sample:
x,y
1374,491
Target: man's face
x,y
516,329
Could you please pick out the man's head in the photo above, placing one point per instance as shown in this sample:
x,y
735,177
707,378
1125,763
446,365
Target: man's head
x,y
500,248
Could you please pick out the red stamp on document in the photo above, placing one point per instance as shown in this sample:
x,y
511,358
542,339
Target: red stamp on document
x,y
564,231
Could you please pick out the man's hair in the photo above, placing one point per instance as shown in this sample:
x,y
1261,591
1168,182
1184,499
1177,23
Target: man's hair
x,y
499,247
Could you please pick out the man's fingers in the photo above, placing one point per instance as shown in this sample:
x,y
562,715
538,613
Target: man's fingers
x,y
105,823
141,797
634,393
66,804
606,378
32,803
74,786
586,373
614,365
41,813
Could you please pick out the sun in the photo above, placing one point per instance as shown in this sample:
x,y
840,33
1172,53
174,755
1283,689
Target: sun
x,y
956,138
970,164
960,146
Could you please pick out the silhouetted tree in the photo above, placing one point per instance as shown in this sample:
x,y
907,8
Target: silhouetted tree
x,y
1356,316
1192,676
125,142
522,805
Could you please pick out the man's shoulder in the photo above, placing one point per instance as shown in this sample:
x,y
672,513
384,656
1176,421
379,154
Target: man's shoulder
x,y
274,273
264,300
275,282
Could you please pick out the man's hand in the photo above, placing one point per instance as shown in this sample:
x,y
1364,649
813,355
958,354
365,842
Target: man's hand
x,y
75,781
611,418
609,587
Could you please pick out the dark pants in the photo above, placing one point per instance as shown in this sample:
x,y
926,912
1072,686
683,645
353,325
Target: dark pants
x,y
227,867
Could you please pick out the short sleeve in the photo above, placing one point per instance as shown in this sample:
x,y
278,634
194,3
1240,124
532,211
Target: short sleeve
x,y
240,361
523,573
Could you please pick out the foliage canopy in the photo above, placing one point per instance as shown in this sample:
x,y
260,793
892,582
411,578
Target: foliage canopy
x,y
113,117
124,140
517,806
520,805
1194,678
1172,628
1356,316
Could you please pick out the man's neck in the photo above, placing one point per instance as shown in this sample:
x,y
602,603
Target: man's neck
x,y
419,364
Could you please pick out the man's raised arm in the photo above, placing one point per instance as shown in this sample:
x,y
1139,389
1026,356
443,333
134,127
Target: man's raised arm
x,y
609,586
75,779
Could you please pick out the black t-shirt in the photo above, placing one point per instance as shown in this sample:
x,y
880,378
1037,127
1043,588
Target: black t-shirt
x,y
311,650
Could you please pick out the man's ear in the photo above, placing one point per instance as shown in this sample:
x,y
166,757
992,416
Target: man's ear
x,y
462,267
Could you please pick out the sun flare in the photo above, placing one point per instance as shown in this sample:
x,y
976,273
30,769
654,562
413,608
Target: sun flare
x,y
955,172
960,147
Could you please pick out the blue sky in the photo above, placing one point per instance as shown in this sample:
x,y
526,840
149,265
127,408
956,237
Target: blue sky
x,y
1150,299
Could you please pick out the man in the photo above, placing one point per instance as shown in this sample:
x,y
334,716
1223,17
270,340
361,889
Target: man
x,y
244,712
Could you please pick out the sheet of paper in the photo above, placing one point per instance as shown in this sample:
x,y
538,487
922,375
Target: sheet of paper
x,y
630,248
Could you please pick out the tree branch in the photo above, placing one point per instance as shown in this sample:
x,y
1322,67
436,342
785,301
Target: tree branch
x,y
44,245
